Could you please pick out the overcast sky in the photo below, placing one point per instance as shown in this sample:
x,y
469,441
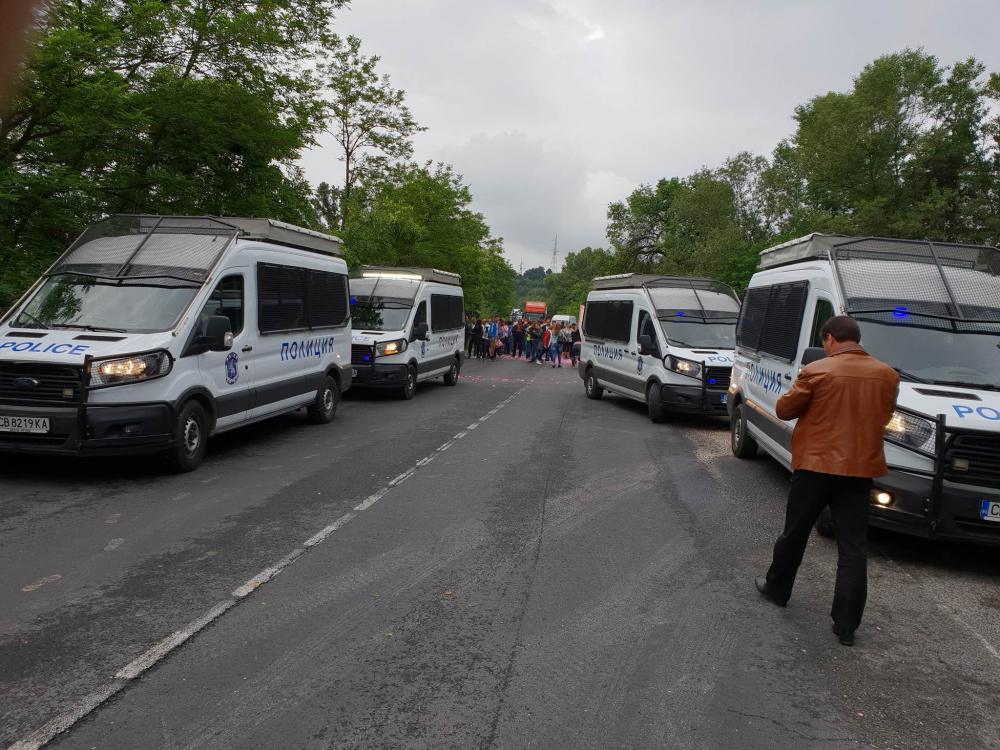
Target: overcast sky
x,y
553,109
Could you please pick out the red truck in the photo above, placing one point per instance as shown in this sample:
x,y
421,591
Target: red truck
x,y
534,311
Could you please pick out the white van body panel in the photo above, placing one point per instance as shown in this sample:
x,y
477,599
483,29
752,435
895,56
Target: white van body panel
x,y
243,383
432,357
627,371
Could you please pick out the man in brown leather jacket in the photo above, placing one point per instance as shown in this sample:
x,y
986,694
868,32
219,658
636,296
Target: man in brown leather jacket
x,y
842,403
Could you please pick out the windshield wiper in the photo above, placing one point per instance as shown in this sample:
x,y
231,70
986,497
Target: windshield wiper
x,y
92,328
33,319
962,384
910,376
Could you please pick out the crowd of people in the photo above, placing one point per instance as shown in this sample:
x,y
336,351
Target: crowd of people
x,y
538,341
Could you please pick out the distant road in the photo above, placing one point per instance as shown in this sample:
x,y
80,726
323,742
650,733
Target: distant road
x,y
502,564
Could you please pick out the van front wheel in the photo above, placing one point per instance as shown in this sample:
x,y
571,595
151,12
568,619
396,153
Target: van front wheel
x,y
324,408
451,377
410,387
594,390
743,445
191,431
654,402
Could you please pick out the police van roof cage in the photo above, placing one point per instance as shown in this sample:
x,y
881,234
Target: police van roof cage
x,y
659,281
289,235
897,277
390,272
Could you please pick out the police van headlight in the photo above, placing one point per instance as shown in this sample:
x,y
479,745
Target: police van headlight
x,y
386,348
912,431
682,366
122,370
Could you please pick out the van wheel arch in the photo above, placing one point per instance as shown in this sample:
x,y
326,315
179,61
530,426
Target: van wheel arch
x,y
334,372
203,397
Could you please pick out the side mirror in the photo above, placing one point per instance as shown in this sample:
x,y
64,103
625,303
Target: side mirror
x,y
420,332
645,344
218,334
813,354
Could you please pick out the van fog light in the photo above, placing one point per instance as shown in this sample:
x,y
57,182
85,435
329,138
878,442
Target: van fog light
x,y
131,430
881,497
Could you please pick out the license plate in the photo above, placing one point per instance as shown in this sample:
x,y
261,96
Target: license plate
x,y
28,424
724,397
990,511
354,373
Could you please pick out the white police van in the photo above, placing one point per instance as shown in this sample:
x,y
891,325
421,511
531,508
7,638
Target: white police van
x,y
931,311
409,326
152,333
664,340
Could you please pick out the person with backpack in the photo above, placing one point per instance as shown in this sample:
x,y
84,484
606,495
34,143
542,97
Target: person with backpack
x,y
555,345
575,344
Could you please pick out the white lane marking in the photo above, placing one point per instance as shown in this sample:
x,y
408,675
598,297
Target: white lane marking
x,y
210,480
472,426
460,435
372,499
980,636
324,533
114,544
446,446
40,583
402,477
267,573
311,455
113,518
181,496
129,672
44,734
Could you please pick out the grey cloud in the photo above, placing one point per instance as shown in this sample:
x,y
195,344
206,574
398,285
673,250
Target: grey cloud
x,y
551,109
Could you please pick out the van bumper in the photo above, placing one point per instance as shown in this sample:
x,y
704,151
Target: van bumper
x,y
112,430
379,376
912,510
694,399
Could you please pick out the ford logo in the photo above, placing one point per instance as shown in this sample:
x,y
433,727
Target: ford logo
x,y
26,383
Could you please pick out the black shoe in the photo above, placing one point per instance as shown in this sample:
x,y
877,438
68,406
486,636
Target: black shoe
x,y
846,637
761,583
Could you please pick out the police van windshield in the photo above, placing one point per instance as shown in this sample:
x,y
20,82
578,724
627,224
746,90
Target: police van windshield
x,y
934,350
382,304
89,303
693,332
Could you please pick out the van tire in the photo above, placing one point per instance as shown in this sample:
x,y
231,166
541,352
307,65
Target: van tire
x,y
324,408
824,524
743,445
451,377
654,402
191,431
409,389
593,388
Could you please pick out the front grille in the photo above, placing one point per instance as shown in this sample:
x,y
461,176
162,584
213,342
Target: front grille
x,y
983,454
362,355
57,384
721,376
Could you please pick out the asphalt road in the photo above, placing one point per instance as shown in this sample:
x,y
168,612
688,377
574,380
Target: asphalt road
x,y
545,572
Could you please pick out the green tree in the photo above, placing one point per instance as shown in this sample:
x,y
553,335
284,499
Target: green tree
x,y
326,204
192,106
419,215
367,117
567,290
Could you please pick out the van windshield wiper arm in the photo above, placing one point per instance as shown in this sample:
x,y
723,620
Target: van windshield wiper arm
x,y
963,384
91,328
33,319
910,376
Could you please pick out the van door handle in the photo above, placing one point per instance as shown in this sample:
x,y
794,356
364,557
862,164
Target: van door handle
x,y
250,349
787,376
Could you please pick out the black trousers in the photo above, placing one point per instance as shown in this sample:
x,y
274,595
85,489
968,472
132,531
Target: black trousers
x,y
469,343
848,498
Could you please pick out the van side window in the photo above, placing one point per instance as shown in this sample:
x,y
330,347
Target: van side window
x,y
647,328
294,299
226,299
824,311
447,312
771,319
610,320
421,315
